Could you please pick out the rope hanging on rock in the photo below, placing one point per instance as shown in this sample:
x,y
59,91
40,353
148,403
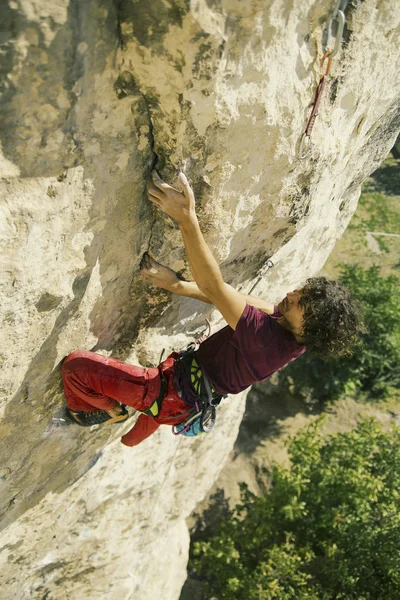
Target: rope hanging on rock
x,y
337,19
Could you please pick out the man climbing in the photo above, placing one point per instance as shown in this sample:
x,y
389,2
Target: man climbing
x,y
259,339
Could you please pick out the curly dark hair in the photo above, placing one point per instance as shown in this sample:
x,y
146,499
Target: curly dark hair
x,y
333,319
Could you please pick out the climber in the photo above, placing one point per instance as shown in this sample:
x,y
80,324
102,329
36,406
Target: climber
x,y
258,340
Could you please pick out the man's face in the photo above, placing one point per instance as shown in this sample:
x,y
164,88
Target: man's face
x,y
292,313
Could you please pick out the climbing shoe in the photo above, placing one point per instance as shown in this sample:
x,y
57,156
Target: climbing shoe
x,y
96,417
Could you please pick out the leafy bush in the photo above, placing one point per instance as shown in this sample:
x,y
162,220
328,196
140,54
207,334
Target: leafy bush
x,y
328,528
374,367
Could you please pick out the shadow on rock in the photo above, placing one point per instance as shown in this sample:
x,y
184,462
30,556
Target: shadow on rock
x,y
386,179
267,407
40,451
205,524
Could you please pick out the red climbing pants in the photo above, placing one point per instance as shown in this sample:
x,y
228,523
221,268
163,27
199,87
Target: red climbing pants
x,y
95,381
92,381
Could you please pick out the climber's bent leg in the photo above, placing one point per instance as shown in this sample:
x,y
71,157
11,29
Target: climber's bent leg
x,y
92,381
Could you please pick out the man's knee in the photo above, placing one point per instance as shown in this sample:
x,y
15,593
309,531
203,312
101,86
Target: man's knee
x,y
71,358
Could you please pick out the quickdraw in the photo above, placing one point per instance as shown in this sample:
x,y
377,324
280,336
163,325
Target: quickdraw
x,y
337,19
200,418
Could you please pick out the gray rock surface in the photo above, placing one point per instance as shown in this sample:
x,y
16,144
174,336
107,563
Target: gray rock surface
x,y
93,95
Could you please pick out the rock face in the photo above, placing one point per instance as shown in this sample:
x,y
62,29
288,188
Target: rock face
x,y
94,95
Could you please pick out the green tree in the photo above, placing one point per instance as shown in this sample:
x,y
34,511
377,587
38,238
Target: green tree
x,y
328,528
374,366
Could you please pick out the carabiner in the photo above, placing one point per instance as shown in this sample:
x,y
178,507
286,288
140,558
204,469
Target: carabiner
x,y
341,19
308,146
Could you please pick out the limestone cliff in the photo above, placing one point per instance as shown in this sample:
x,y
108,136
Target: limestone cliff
x,y
93,95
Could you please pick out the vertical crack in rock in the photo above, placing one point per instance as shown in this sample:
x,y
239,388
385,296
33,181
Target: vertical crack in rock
x,y
118,5
154,161
11,23
73,74
126,85
350,11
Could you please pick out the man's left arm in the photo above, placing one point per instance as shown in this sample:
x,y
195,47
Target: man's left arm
x,y
165,278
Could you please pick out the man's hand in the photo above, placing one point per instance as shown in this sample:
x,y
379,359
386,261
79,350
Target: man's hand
x,y
158,275
178,205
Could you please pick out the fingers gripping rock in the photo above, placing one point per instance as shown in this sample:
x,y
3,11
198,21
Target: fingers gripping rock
x,y
147,262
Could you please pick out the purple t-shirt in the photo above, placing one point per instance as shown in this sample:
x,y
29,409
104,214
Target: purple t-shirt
x,y
235,359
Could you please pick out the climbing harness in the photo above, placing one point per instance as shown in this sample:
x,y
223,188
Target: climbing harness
x,y
202,416
336,21
268,265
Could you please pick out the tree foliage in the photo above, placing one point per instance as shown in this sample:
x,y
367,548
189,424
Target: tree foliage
x,y
328,528
374,366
